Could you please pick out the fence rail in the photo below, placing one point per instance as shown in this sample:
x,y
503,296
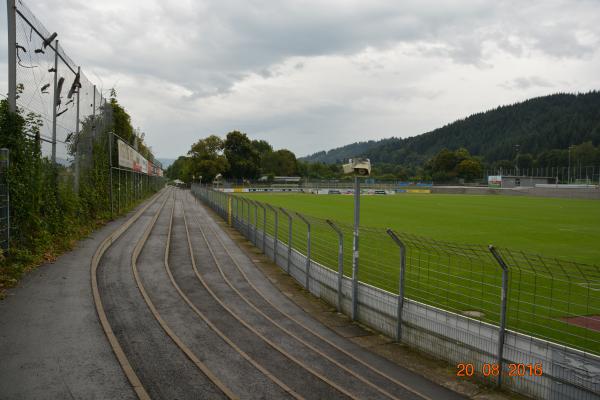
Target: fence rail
x,y
462,303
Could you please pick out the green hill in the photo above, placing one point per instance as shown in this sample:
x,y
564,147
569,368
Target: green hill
x,y
537,125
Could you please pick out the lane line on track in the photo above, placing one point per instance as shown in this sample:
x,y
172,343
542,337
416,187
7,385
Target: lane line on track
x,y
136,252
318,335
249,327
287,331
110,335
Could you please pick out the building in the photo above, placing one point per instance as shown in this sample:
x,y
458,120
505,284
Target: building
x,y
512,181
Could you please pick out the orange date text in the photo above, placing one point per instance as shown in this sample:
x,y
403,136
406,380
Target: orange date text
x,y
511,370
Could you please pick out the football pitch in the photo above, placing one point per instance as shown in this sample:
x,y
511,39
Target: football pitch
x,y
547,298
564,228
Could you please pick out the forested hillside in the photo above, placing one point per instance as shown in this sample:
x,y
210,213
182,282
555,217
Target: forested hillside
x,y
537,125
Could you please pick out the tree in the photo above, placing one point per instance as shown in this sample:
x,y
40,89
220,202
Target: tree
x,y
585,154
180,169
262,147
469,169
281,162
207,159
524,161
244,160
445,161
553,158
504,165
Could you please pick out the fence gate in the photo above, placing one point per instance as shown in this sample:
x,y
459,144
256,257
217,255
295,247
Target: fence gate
x,y
4,201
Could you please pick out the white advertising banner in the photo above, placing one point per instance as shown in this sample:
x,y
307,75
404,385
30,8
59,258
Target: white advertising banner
x,y
125,154
129,158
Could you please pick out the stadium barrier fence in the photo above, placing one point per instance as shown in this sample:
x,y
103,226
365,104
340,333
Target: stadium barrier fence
x,y
525,322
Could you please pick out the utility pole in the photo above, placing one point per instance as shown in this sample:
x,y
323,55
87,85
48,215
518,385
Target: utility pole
x,y
12,55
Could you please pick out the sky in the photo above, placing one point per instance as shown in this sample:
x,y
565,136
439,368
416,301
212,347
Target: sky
x,y
315,75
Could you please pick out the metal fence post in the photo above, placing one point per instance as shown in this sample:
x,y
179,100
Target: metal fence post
x,y
240,212
55,102
110,168
355,249
255,223
307,250
340,262
235,207
503,302
119,192
245,201
275,239
12,55
248,219
289,255
264,234
400,282
77,148
229,210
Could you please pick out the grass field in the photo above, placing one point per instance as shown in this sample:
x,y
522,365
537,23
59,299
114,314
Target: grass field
x,y
565,228
461,278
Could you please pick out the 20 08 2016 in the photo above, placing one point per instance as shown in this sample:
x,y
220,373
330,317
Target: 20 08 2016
x,y
513,370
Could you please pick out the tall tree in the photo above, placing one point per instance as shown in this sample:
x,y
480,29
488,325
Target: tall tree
x,y
207,159
281,162
243,158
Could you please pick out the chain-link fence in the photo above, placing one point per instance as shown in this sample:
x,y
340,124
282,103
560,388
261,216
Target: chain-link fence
x,y
576,173
506,312
50,86
67,162
72,113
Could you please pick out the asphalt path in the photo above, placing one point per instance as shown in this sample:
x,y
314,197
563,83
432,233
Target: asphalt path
x,y
51,344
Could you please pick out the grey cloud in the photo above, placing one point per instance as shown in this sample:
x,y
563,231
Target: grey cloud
x,y
524,83
207,47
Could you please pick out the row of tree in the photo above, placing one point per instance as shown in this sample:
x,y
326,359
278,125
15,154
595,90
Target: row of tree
x,y
236,157
447,166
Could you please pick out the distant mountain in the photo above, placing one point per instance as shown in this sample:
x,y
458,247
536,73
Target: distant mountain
x,y
337,155
166,162
536,125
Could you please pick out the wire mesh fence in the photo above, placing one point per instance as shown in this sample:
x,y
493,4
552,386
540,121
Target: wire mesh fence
x,y
51,86
67,156
484,293
574,173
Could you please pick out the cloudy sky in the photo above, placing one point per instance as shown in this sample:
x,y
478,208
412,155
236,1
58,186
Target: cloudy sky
x,y
313,75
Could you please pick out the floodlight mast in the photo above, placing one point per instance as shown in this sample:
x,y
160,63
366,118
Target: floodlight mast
x,y
357,167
